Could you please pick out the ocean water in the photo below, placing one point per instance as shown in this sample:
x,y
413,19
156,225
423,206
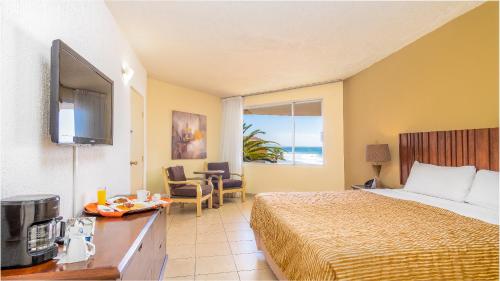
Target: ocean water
x,y
312,155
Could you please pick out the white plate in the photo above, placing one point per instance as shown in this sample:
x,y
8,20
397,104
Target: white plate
x,y
112,199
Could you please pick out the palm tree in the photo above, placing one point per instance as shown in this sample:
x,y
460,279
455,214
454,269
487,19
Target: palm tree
x,y
256,149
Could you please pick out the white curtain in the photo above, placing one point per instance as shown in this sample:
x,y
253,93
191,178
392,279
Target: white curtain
x,y
232,133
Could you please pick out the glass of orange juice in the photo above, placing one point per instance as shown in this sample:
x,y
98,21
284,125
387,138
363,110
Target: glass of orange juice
x,y
101,196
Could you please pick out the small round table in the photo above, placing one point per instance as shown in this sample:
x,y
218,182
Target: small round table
x,y
218,173
208,173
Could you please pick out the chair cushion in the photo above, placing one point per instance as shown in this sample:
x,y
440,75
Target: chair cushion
x,y
224,166
176,174
228,183
190,190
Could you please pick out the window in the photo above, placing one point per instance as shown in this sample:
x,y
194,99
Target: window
x,y
290,133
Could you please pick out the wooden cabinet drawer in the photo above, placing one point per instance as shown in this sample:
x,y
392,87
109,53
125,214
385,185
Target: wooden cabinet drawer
x,y
160,250
140,266
147,261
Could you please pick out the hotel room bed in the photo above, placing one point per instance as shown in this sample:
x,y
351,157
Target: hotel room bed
x,y
359,235
391,234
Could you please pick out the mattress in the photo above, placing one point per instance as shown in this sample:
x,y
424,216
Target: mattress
x,y
357,235
461,208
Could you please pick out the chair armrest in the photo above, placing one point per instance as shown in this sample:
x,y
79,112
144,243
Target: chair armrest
x,y
196,178
184,182
236,174
202,179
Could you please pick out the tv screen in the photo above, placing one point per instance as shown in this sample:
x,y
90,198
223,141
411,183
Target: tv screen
x,y
81,103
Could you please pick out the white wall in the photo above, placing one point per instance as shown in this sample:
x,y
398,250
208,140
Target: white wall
x,y
30,162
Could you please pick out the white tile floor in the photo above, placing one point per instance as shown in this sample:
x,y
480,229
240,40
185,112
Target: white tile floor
x,y
219,245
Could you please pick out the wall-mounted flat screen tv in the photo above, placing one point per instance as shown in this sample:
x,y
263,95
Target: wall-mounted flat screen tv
x,y
81,99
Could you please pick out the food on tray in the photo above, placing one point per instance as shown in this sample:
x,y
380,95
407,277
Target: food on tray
x,y
132,206
128,204
122,207
118,200
138,206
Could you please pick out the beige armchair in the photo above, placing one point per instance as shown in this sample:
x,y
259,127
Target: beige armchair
x,y
225,184
187,190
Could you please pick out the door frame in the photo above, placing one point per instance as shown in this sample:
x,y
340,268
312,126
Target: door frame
x,y
144,119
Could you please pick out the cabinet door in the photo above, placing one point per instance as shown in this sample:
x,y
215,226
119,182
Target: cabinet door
x,y
160,251
140,265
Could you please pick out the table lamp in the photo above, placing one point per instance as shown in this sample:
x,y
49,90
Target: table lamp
x,y
377,154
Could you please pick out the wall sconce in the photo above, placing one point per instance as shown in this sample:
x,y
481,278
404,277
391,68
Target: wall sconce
x,y
127,73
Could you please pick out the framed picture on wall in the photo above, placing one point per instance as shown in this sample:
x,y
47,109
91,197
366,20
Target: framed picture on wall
x,y
189,135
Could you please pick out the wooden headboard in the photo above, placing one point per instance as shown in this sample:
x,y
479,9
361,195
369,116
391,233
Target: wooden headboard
x,y
478,147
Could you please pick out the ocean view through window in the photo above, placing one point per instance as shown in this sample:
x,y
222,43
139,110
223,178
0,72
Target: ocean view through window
x,y
290,133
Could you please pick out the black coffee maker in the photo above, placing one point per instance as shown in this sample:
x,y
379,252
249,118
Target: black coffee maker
x,y
30,228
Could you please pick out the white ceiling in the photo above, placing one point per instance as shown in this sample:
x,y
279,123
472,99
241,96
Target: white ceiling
x,y
235,48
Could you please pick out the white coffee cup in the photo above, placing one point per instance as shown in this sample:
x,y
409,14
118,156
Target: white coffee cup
x,y
79,249
156,197
142,195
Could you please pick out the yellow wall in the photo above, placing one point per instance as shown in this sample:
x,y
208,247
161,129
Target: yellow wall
x,y
162,99
446,80
274,177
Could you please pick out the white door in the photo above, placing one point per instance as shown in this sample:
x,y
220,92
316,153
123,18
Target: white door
x,y
136,141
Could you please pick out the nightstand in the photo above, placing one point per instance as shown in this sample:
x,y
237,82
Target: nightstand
x,y
362,186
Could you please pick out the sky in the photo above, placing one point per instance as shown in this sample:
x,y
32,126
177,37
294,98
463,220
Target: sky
x,y
308,129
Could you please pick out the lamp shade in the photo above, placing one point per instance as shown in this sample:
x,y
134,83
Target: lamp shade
x,y
378,153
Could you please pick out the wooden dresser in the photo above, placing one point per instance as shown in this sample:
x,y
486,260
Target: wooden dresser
x,y
129,248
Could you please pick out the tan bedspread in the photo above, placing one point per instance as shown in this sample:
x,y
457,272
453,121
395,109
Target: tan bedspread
x,y
357,235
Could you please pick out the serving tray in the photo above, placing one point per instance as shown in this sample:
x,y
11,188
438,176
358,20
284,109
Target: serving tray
x,y
92,209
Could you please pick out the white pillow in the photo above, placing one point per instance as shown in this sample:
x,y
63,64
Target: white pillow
x,y
452,183
484,191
